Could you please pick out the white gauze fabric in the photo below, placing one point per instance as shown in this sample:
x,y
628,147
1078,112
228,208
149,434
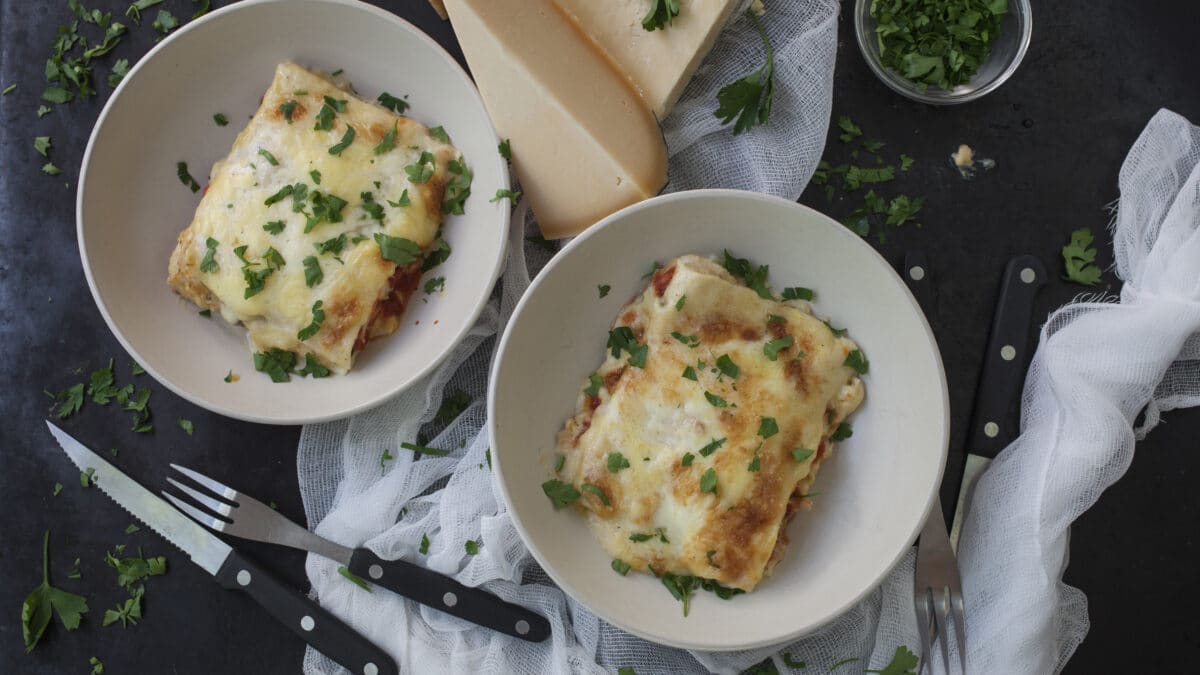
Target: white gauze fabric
x,y
354,500
1097,366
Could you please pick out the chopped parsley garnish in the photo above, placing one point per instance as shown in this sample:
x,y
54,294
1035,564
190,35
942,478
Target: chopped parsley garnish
x,y
842,432
276,363
558,463
754,277
396,105
436,256
903,662
42,110
748,100
708,481
439,133
679,303
274,227
38,607
687,458
681,587
502,193
165,22
1080,259
86,479
388,142
660,14
338,105
312,271
873,146
424,544
755,464
937,43
220,119
268,156
326,207
228,376
604,289
857,361
837,332
97,666
326,114
771,349
797,293
767,427
209,263
386,457
621,339
505,150
41,144
318,318
424,450
313,368
347,139
49,169
118,72
8,90
283,193
373,208
850,130
256,279
792,663
397,249
594,382
354,578
435,285
712,447
616,462
188,428
458,188
715,400
421,170
691,341
287,108
801,454
181,170
57,489
561,494
727,366
905,162
596,490
402,202
690,373
620,567
857,176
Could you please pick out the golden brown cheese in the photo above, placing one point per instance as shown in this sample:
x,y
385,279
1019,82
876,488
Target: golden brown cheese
x,y
694,319
361,292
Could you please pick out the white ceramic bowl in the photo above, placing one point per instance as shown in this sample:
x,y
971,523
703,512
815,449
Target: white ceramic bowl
x,y
131,205
874,492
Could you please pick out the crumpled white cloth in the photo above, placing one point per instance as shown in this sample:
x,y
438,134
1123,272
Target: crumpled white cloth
x,y
1097,366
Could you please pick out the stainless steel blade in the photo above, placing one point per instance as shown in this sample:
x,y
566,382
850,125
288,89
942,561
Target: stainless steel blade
x,y
974,468
204,548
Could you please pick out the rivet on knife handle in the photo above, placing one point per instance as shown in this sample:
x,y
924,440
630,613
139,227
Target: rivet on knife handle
x,y
443,593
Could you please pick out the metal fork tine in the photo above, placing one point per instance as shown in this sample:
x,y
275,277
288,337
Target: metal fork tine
x,y
941,611
203,499
960,627
219,488
195,513
924,629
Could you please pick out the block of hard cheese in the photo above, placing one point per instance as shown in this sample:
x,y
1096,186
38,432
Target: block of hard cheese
x,y
659,63
583,143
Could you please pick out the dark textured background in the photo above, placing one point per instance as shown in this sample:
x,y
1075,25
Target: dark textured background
x,y
1094,75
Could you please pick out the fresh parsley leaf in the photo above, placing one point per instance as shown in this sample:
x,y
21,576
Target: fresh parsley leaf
x,y
620,567
135,10
837,332
435,285
347,139
181,170
228,377
502,193
268,156
286,110
660,15
558,463
679,303
101,387
681,587
691,341
906,162
421,170
373,208
128,612
38,606
312,368
842,432
712,447
312,271
388,142
797,293
324,118
850,130
402,202
56,95
118,72
386,457
86,479
71,400
772,348
754,277
727,366
621,339
423,450
354,578
755,464
793,663
326,207
1079,259
505,150
690,373
857,176
687,459
397,249
424,544
873,146
8,90
57,489
165,22
748,100
338,105
596,490
902,209
276,363
436,255
616,462
604,289
49,169
396,105
857,361
472,546
318,318
220,119
187,426
458,187
96,664
439,133
594,382
41,144
801,454
561,494
133,528
42,110
767,427
716,401
934,43
281,194
903,662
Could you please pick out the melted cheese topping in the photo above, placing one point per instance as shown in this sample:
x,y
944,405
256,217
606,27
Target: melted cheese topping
x,y
272,153
655,415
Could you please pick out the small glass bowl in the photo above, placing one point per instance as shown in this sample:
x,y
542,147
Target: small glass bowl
x,y
1008,49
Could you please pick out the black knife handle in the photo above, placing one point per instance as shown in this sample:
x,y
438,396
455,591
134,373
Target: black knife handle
x,y
1008,351
919,279
445,594
323,631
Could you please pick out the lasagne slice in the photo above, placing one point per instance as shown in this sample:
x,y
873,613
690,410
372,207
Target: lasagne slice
x,y
698,438
312,231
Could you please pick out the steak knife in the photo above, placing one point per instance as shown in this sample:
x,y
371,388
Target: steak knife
x,y
1008,350
307,619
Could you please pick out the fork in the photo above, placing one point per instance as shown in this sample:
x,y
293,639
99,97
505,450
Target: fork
x,y
243,516
937,593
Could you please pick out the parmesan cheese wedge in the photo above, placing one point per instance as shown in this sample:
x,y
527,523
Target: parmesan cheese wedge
x,y
658,63
583,143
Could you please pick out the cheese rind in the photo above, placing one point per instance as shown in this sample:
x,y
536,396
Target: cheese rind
x,y
584,144
659,63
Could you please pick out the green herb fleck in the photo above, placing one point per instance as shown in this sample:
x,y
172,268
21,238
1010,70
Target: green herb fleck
x,y
181,170
354,578
616,462
561,494
748,100
1079,259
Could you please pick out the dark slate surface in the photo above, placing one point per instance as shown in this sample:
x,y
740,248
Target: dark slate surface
x,y
1058,131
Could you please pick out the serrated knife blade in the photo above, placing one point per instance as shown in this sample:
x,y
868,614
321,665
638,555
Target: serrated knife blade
x,y
203,547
